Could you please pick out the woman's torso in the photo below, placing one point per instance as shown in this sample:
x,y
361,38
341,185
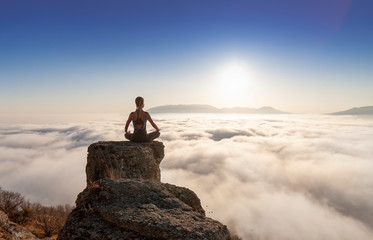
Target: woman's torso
x,y
139,120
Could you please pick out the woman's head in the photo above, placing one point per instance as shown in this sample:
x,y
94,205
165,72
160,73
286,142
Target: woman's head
x,y
139,102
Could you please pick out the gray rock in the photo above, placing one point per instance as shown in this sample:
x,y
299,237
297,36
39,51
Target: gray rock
x,y
124,199
132,209
12,231
119,160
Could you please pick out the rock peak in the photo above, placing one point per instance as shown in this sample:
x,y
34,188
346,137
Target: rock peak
x,y
124,160
124,199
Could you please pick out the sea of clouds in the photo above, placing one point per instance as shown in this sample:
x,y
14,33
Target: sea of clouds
x,y
266,177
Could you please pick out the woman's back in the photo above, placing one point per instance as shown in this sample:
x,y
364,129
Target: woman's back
x,y
139,119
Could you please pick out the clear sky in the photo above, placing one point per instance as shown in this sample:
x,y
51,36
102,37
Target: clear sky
x,y
97,56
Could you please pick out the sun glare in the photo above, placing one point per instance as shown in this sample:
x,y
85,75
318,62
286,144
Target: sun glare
x,y
234,81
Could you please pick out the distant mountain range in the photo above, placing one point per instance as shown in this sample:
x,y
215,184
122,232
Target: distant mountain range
x,y
204,108
201,108
356,111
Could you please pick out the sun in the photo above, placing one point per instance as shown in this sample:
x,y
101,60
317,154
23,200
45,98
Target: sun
x,y
234,81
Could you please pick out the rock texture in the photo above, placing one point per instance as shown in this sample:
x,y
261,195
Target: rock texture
x,y
117,160
12,231
133,203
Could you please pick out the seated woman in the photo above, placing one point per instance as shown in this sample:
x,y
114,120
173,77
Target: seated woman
x,y
139,118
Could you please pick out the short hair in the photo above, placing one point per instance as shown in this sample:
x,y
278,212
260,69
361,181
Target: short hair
x,y
139,101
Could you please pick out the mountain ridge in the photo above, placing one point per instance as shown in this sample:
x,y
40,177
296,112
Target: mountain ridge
x,y
205,108
367,110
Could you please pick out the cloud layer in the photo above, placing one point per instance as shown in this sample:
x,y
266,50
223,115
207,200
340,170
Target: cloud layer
x,y
46,163
266,177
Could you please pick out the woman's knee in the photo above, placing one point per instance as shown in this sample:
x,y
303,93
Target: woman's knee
x,y
153,135
128,136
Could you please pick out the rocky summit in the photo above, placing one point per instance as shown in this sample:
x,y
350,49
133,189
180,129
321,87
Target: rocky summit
x,y
118,160
124,199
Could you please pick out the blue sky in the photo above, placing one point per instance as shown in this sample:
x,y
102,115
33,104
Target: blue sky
x,y
97,56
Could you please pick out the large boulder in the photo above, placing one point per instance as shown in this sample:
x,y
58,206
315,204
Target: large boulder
x,y
132,209
124,199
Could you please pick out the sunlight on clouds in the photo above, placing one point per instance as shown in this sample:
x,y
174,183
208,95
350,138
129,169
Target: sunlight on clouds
x,y
266,177
279,177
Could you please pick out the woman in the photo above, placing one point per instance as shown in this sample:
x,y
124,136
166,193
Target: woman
x,y
139,118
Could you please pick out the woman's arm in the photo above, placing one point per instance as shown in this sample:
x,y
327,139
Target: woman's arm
x,y
128,122
152,123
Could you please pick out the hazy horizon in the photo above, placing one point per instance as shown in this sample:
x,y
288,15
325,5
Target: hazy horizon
x,y
52,119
